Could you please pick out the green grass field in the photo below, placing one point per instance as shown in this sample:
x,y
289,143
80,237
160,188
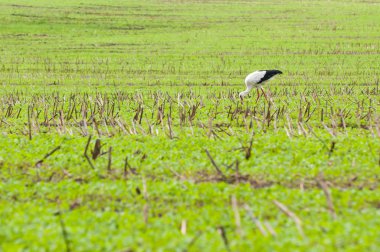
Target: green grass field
x,y
122,130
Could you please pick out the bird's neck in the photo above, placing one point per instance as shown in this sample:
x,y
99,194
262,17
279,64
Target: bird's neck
x,y
244,93
248,89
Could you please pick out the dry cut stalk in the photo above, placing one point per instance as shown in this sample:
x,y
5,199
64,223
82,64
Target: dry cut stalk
x,y
235,208
145,189
248,150
195,238
146,213
255,220
237,175
109,159
97,149
127,168
215,165
170,127
125,173
270,228
29,122
183,227
38,163
64,232
327,193
85,153
222,232
331,150
291,215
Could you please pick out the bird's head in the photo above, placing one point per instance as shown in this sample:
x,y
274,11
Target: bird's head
x,y
241,96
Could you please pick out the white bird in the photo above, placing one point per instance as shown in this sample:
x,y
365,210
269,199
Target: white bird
x,y
256,80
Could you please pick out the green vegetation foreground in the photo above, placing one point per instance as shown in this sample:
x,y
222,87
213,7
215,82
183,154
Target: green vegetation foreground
x,y
122,129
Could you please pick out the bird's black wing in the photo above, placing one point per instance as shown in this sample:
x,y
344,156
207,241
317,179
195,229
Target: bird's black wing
x,y
269,74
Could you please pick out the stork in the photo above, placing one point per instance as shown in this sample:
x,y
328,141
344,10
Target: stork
x,y
256,80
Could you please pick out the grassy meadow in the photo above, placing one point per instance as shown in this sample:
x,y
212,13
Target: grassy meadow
x,y
121,128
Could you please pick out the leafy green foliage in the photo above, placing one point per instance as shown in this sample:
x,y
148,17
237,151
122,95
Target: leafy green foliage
x,y
150,88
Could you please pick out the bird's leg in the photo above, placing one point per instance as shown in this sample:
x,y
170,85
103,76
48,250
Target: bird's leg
x,y
258,94
265,95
